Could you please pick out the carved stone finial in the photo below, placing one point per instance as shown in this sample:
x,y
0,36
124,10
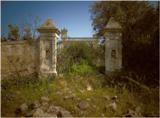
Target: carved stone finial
x,y
48,26
112,24
49,23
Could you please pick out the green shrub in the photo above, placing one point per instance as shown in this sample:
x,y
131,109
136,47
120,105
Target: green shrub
x,y
81,69
75,53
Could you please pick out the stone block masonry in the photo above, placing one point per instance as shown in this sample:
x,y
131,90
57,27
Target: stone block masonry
x,y
113,47
48,49
22,58
18,58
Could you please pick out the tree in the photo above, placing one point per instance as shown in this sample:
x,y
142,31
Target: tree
x,y
27,33
140,29
30,25
13,32
3,38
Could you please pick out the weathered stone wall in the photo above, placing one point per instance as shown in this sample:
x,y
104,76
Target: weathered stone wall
x,y
80,40
19,58
68,41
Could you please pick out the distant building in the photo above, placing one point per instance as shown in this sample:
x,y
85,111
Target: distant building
x,y
67,41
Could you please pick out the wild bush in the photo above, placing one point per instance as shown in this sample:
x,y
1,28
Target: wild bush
x,y
140,34
72,55
81,69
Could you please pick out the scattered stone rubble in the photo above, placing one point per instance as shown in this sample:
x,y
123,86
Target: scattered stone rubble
x,y
83,105
42,108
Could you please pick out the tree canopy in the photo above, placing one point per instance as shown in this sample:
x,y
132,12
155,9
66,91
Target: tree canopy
x,y
140,27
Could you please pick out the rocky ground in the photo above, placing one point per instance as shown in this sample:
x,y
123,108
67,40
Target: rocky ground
x,y
42,108
76,97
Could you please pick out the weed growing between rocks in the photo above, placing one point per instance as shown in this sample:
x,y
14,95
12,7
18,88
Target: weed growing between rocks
x,y
80,95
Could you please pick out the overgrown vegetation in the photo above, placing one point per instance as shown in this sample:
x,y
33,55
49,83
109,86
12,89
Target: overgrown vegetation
x,y
29,89
140,27
81,68
27,30
13,32
80,77
80,55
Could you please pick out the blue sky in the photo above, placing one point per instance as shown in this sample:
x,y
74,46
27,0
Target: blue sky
x,y
73,15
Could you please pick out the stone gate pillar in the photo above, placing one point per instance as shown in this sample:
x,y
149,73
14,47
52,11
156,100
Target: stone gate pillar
x,y
48,49
113,46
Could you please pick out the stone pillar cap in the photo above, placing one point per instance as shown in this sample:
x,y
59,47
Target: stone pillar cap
x,y
48,26
113,25
49,23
